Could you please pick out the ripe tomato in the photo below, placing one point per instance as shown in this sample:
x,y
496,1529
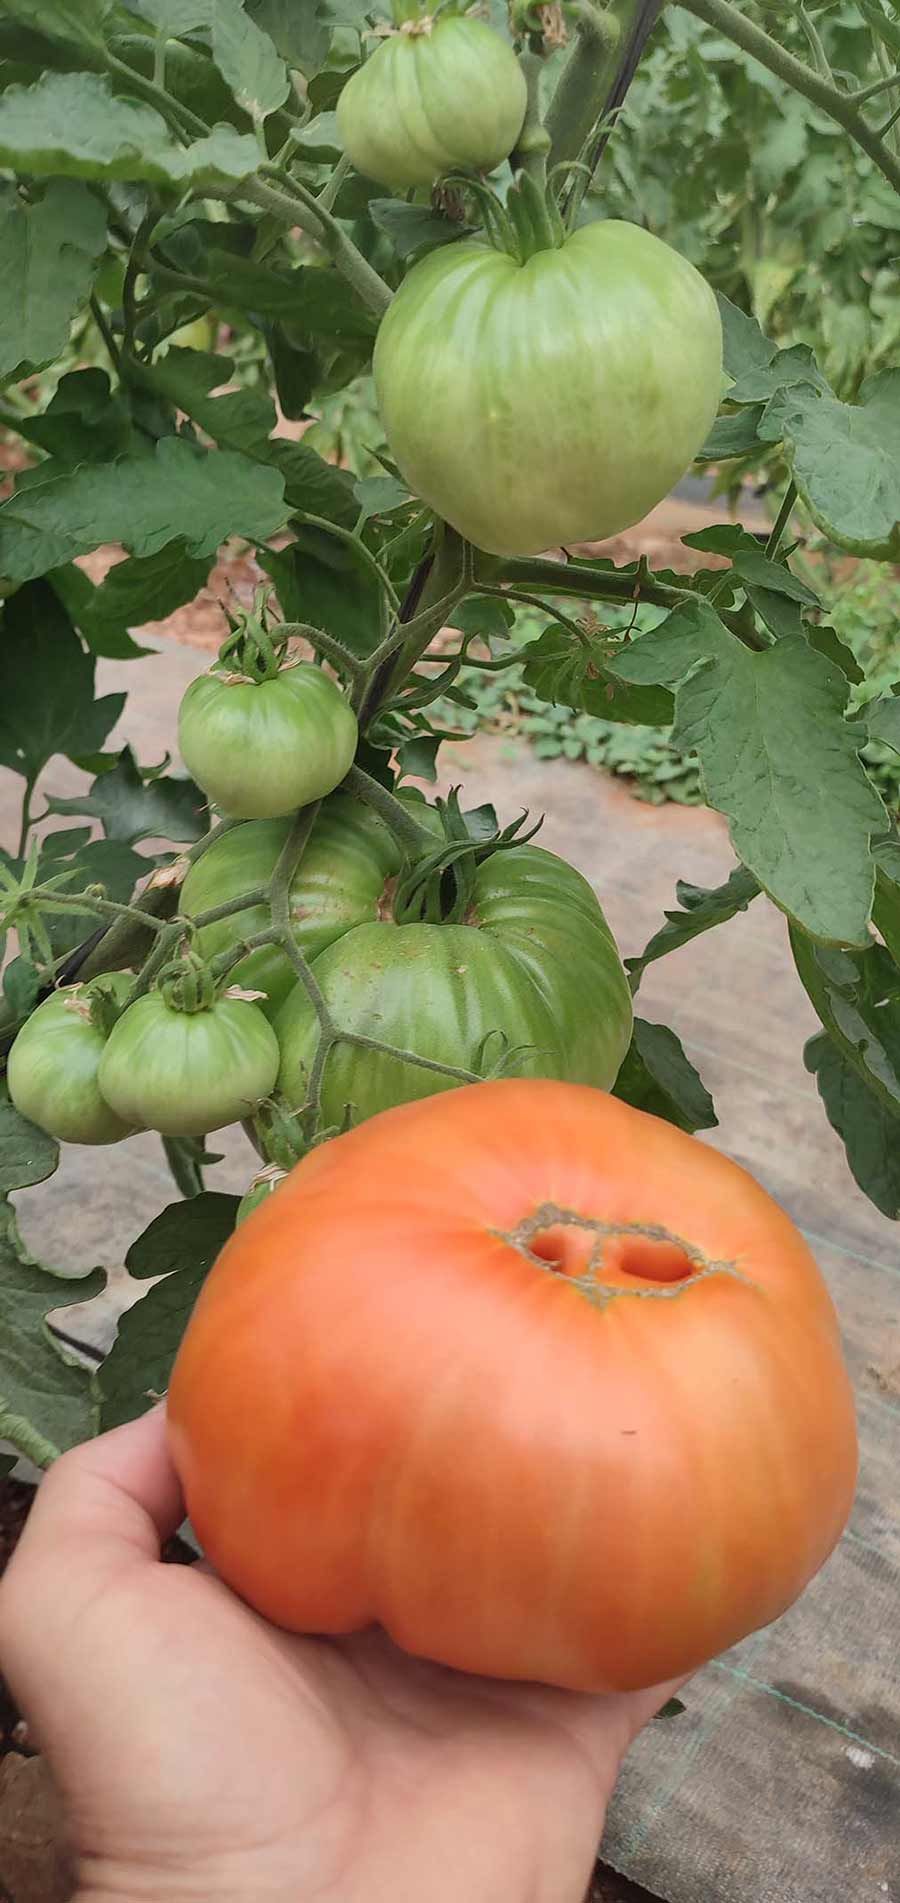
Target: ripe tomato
x,y
535,961
340,882
442,94
264,748
52,1067
538,1383
552,401
184,1073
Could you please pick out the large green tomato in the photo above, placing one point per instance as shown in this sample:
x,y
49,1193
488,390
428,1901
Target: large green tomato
x,y
534,965
439,95
186,1072
552,401
340,882
53,1064
264,748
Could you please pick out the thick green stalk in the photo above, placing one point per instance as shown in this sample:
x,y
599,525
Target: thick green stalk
x,y
585,80
301,208
397,817
533,143
839,105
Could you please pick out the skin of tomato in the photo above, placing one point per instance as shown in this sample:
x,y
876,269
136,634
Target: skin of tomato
x,y
52,1068
540,966
553,401
260,750
386,1410
349,858
185,1073
424,104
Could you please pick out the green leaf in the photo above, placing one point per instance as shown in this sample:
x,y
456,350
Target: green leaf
x,y
412,228
745,348
244,420
786,369
143,588
84,422
48,255
827,642
73,125
656,1076
76,22
581,674
47,703
247,60
870,1133
750,563
300,33
180,1246
883,720
856,997
845,460
416,756
21,986
886,909
319,139
378,495
701,909
27,1154
487,616
778,759
297,371
46,1403
732,435
186,1157
318,581
174,18
130,807
178,493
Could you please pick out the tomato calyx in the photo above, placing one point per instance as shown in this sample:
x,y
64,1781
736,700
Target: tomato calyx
x,y
529,222
253,651
187,984
97,1003
439,887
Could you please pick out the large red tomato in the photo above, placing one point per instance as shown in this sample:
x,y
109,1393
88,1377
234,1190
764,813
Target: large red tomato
x,y
540,1384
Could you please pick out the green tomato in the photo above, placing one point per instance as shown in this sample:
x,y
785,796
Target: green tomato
x,y
53,1064
450,94
262,1187
340,882
261,749
184,1073
553,401
535,965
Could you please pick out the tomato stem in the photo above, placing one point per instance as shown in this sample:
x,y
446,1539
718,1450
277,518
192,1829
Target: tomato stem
x,y
841,106
397,817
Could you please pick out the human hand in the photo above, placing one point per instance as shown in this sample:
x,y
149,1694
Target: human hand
x,y
202,1755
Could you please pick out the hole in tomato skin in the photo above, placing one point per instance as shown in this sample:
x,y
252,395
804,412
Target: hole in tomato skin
x,y
565,1247
648,1258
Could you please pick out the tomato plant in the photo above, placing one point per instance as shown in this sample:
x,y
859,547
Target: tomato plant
x,y
647,1445
519,260
443,93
